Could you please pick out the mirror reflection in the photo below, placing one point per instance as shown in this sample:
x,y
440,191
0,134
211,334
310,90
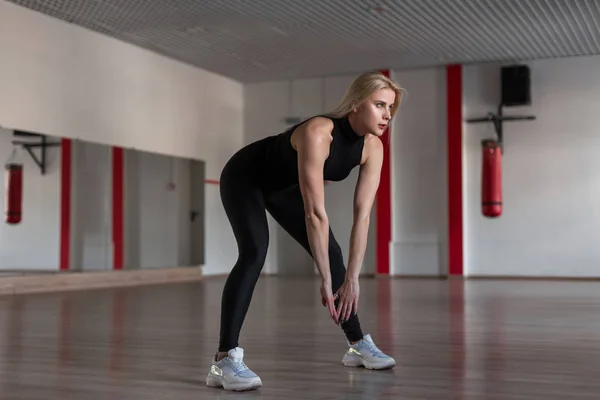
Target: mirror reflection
x,y
76,206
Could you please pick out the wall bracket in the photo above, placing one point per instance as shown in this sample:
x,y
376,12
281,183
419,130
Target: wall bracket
x,y
41,142
497,120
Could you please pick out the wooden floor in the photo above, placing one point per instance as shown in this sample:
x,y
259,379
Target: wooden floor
x,y
477,340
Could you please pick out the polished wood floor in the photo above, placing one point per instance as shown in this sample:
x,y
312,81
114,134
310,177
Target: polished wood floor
x,y
451,340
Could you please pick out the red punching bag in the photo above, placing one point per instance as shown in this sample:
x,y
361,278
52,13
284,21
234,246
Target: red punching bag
x,y
13,193
491,179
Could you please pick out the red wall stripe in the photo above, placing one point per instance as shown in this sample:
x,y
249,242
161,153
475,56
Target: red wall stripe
x,y
65,204
118,206
211,182
384,206
454,168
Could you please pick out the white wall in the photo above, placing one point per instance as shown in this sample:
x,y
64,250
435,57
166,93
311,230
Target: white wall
x,y
64,80
549,226
419,183
34,243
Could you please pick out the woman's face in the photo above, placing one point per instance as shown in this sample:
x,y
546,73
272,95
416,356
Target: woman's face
x,y
374,114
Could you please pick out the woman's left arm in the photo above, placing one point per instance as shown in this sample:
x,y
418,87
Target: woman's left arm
x,y
364,196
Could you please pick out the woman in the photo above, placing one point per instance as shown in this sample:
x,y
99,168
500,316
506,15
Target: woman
x,y
284,174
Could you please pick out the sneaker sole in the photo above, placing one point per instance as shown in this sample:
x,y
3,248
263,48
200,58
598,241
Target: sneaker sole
x,y
215,382
355,362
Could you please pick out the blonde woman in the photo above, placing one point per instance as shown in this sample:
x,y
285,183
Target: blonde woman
x,y
284,174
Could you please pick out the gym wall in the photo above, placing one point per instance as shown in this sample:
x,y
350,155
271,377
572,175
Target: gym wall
x,y
66,81
549,225
121,95
419,189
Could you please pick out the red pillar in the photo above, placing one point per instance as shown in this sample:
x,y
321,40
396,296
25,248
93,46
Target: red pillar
x,y
65,204
384,206
118,207
454,169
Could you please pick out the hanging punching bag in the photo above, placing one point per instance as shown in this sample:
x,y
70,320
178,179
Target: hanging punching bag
x,y
13,193
491,179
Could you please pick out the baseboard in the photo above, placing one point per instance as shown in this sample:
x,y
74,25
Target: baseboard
x,y
419,277
494,278
68,281
534,278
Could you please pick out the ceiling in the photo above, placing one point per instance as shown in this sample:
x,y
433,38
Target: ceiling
x,y
262,40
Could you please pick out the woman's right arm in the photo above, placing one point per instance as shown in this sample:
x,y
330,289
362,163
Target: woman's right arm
x,y
312,141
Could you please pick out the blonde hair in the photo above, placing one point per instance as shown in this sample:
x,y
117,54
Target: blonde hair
x,y
364,86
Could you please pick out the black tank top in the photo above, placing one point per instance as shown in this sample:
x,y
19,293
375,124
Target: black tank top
x,y
281,161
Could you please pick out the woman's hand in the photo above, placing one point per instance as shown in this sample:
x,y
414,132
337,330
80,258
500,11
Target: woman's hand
x,y
327,299
348,299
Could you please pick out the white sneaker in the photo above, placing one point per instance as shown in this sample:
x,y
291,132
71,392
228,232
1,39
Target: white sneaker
x,y
231,373
365,353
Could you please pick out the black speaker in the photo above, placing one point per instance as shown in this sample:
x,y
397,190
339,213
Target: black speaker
x,y
516,85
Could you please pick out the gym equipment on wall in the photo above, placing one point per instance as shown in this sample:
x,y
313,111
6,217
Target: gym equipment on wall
x,y
42,143
491,179
14,172
13,191
515,91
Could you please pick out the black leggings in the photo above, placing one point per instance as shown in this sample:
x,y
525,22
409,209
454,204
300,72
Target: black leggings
x,y
245,205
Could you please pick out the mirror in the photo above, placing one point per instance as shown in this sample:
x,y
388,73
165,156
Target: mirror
x,y
89,206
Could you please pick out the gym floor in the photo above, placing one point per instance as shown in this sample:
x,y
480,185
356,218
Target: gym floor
x,y
451,339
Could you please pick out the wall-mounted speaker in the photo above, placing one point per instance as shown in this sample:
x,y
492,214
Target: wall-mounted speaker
x,y
516,85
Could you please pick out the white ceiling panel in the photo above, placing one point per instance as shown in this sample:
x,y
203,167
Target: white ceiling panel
x,y
281,39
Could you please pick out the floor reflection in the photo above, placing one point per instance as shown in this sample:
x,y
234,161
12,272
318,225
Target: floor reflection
x,y
451,340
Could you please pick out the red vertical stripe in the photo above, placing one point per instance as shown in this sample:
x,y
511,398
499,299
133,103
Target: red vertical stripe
x,y
65,204
117,202
455,214
384,206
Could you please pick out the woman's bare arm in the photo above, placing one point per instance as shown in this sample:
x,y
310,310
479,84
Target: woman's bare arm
x,y
312,142
364,197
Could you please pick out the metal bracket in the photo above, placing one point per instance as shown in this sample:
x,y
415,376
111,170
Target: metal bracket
x,y
497,120
42,143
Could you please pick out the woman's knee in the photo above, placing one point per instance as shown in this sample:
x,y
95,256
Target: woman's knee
x,y
252,257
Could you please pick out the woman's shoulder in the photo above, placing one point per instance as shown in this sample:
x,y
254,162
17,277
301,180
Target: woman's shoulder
x,y
317,125
319,122
316,129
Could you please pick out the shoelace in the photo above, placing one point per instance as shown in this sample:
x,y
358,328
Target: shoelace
x,y
373,348
239,366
